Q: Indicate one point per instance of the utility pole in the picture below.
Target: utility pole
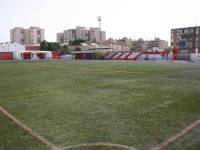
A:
(99, 20)
(112, 44)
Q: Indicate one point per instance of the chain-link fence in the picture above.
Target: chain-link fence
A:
(190, 58)
(195, 58)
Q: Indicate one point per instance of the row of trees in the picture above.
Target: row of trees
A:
(53, 46)
(62, 49)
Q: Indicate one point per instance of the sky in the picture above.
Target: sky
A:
(134, 19)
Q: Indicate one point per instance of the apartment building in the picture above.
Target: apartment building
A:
(82, 33)
(186, 40)
(103, 35)
(17, 35)
(60, 37)
(139, 44)
(123, 44)
(70, 35)
(125, 41)
(157, 43)
(91, 35)
(96, 36)
(32, 36)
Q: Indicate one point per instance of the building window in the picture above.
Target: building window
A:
(31, 41)
(197, 31)
(39, 40)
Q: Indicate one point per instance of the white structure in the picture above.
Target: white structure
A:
(11, 47)
(92, 35)
(29, 37)
(15, 48)
(34, 55)
(91, 47)
(19, 53)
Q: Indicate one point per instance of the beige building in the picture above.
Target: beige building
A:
(157, 43)
(139, 44)
(32, 36)
(96, 36)
(69, 35)
(60, 38)
(123, 44)
(81, 33)
(92, 35)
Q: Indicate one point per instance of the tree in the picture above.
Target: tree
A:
(49, 46)
(43, 45)
(135, 49)
(99, 55)
(76, 42)
(77, 49)
(168, 48)
(64, 50)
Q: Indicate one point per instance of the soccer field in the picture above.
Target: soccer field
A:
(137, 104)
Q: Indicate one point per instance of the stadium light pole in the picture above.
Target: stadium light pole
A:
(99, 20)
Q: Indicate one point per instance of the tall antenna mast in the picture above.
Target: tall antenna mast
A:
(99, 20)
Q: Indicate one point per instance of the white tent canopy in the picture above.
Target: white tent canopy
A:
(12, 47)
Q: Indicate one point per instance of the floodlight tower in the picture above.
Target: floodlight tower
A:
(99, 20)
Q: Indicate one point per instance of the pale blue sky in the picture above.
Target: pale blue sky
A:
(130, 18)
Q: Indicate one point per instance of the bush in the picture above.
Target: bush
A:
(99, 55)
(77, 49)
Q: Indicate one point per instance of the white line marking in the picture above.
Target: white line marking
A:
(29, 130)
(174, 138)
(99, 144)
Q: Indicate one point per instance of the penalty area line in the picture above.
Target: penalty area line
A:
(111, 145)
(34, 134)
(176, 137)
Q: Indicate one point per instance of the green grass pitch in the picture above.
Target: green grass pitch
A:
(138, 104)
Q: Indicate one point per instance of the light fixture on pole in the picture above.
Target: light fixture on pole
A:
(99, 20)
